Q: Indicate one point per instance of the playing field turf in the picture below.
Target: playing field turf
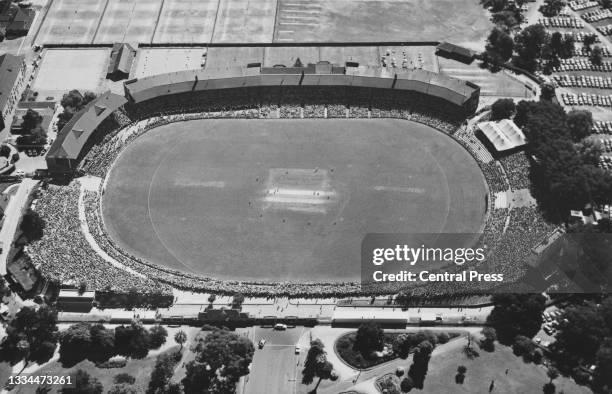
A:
(286, 199)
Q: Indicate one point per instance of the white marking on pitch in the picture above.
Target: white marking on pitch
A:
(190, 183)
(399, 189)
(299, 190)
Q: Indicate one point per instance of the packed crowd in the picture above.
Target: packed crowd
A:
(582, 64)
(495, 177)
(596, 100)
(597, 15)
(64, 254)
(579, 5)
(526, 228)
(571, 23)
(602, 127)
(517, 167)
(583, 81)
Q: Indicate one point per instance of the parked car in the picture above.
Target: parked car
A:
(280, 327)
(261, 343)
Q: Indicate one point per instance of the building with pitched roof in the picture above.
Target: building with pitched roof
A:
(12, 74)
(70, 144)
(122, 57)
(502, 136)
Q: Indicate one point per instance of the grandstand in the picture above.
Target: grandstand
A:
(503, 136)
(316, 90)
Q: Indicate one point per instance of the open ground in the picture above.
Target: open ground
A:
(286, 199)
(464, 22)
(66, 69)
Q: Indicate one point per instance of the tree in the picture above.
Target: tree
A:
(516, 314)
(82, 287)
(315, 356)
(549, 388)
(581, 332)
(157, 336)
(5, 151)
(75, 344)
(420, 365)
(316, 365)
(494, 5)
(31, 335)
(122, 388)
(402, 345)
(32, 225)
(603, 358)
(369, 339)
(180, 337)
(73, 102)
(173, 388)
(31, 120)
(580, 124)
(552, 7)
(132, 341)
(124, 378)
(162, 372)
(530, 44)
(553, 373)
(221, 358)
(596, 56)
(406, 385)
(460, 377)
(522, 346)
(237, 300)
(589, 39)
(561, 46)
(490, 336)
(102, 343)
(547, 91)
(84, 384)
(502, 109)
(499, 47)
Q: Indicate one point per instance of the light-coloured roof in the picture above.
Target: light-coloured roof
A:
(504, 135)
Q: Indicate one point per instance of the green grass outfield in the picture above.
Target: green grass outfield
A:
(286, 199)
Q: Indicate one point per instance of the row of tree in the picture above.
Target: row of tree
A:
(97, 343)
(566, 174)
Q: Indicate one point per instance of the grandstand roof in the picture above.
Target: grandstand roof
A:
(76, 132)
(322, 74)
(504, 135)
